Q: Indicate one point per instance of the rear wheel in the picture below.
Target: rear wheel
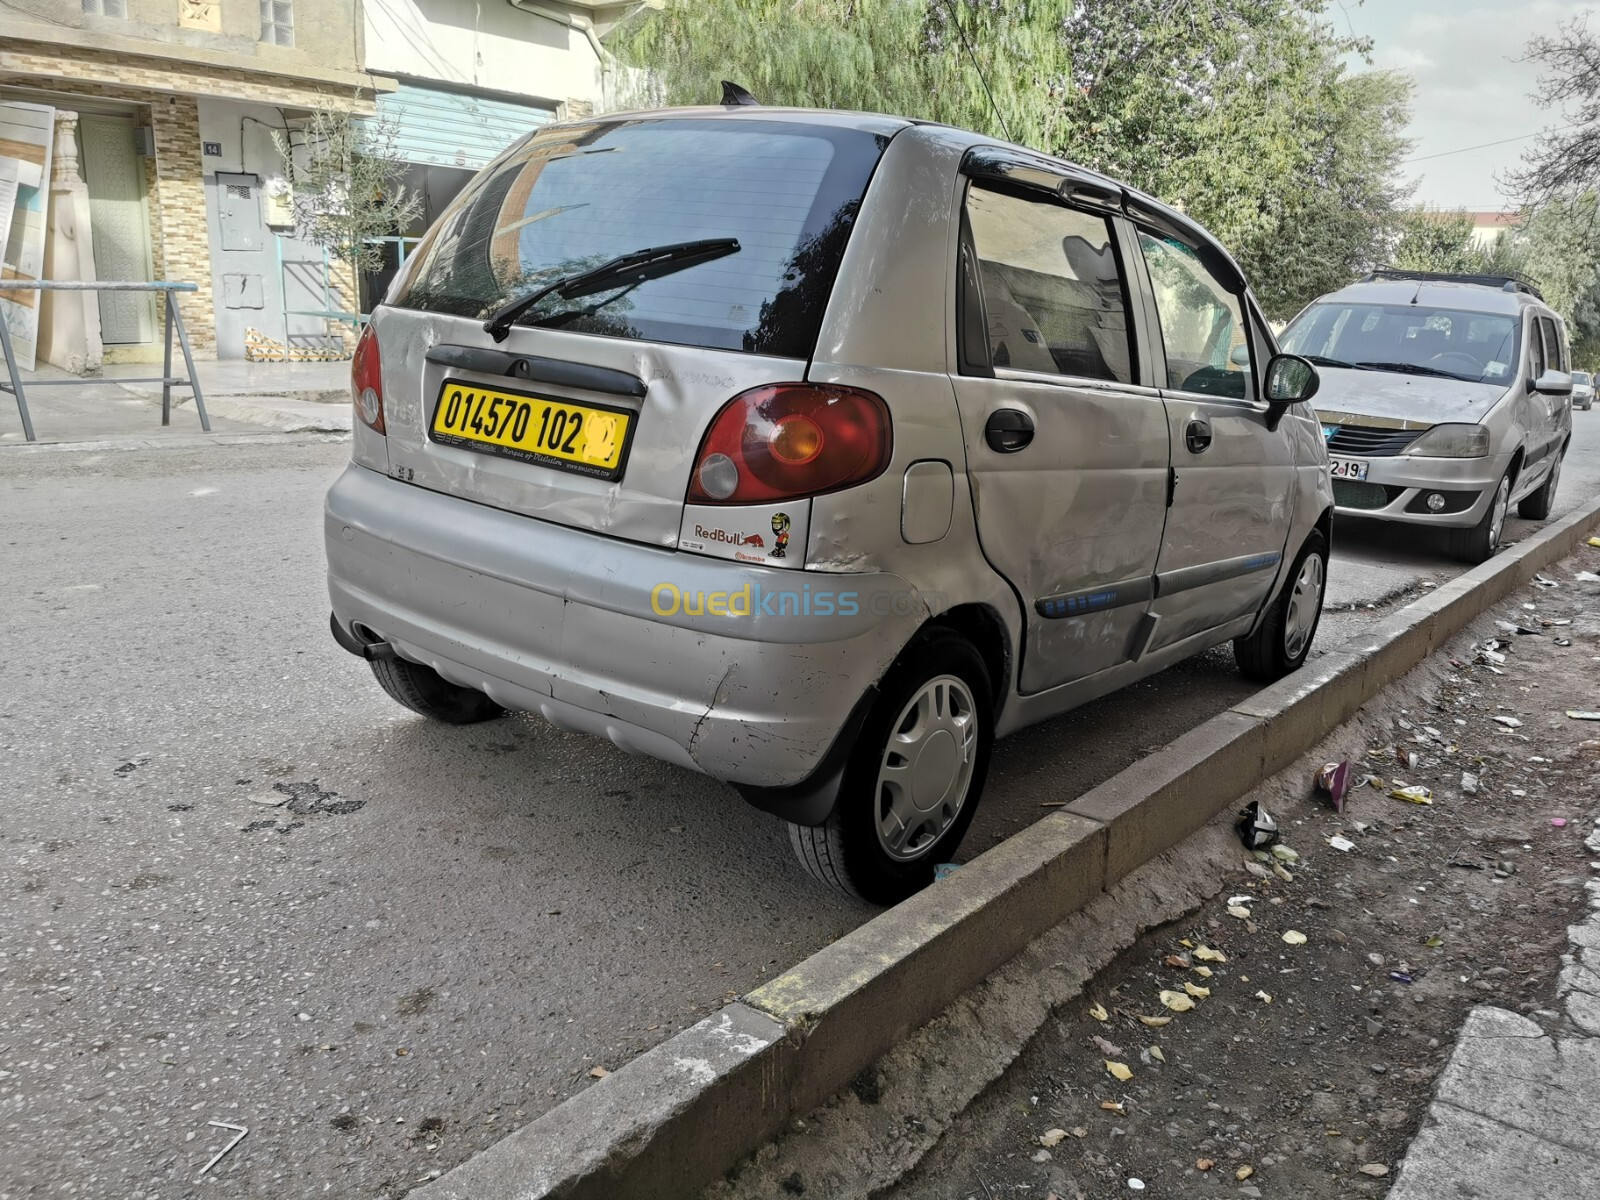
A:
(1283, 639)
(913, 780)
(1537, 506)
(423, 690)
(1479, 543)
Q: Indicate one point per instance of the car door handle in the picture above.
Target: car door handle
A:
(1197, 437)
(1008, 431)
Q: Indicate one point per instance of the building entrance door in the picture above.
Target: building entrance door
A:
(120, 226)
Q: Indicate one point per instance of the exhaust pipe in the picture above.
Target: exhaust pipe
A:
(359, 640)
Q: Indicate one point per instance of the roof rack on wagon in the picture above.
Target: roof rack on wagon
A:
(1504, 283)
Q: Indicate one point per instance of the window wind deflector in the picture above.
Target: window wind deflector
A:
(635, 268)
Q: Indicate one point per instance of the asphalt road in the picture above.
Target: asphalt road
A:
(238, 884)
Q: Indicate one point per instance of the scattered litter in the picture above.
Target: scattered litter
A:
(1343, 844)
(1109, 1048)
(1263, 997)
(1282, 874)
(1414, 794)
(1576, 715)
(1176, 1001)
(1508, 722)
(1559, 822)
(1469, 784)
(598, 1072)
(1334, 780)
(1258, 870)
(1099, 1013)
(1155, 1022)
(1204, 1164)
(1119, 1071)
(1553, 622)
(1434, 942)
(1207, 954)
(1052, 1137)
(1204, 972)
(1594, 541)
(1041, 1156)
(218, 1156)
(1563, 642)
(1512, 627)
(1136, 1185)
(1244, 1173)
(1195, 990)
(1376, 1170)
(1400, 977)
(1239, 911)
(1176, 961)
(1294, 937)
(941, 871)
(1244, 899)
(1541, 581)
(1257, 829)
(1285, 854)
(1114, 1106)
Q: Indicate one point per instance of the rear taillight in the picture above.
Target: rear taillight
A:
(366, 381)
(788, 440)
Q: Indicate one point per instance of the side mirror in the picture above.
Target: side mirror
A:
(1554, 383)
(1290, 380)
(1239, 356)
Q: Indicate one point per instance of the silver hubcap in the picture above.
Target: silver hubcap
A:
(1502, 501)
(1305, 602)
(927, 768)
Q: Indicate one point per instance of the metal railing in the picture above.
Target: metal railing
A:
(166, 379)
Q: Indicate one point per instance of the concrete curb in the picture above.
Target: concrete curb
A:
(677, 1117)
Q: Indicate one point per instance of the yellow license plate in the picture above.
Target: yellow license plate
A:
(574, 437)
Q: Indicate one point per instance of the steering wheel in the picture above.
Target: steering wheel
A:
(1473, 364)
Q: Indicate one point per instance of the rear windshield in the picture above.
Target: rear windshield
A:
(574, 196)
(1408, 338)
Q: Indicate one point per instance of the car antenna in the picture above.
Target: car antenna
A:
(983, 79)
(735, 96)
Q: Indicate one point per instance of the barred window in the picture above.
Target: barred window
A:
(277, 22)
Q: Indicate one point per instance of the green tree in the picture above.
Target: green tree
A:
(1239, 111)
(1561, 247)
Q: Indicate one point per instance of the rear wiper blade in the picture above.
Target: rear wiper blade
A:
(635, 267)
(1406, 368)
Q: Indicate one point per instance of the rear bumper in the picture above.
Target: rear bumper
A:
(593, 632)
(1397, 486)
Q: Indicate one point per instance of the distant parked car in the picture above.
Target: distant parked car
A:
(1444, 400)
(814, 451)
(1582, 390)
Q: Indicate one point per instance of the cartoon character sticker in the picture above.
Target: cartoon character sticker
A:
(780, 533)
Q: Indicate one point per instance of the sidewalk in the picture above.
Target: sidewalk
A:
(239, 397)
(1517, 1112)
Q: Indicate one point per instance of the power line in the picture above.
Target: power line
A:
(1485, 145)
(956, 21)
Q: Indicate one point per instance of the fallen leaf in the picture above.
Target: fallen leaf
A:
(1155, 1053)
(1156, 1022)
(1282, 874)
(598, 1072)
(1285, 854)
(1263, 997)
(1294, 937)
(1099, 1013)
(1186, 943)
(1239, 911)
(1177, 961)
(1377, 1170)
(1052, 1137)
(1204, 1164)
(1177, 1001)
(1207, 954)
(1194, 989)
(1119, 1071)
(1109, 1049)
(1113, 1106)
(1203, 972)
(1244, 1173)
(1434, 942)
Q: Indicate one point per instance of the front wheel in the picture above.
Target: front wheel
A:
(1282, 641)
(1478, 544)
(913, 780)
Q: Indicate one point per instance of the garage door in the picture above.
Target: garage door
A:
(449, 129)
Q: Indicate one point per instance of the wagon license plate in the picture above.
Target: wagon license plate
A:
(571, 437)
(1345, 468)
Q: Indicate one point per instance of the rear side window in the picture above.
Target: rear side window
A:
(574, 196)
(1555, 358)
(1202, 322)
(1052, 288)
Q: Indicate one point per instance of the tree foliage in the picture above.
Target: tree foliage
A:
(1239, 111)
(346, 181)
(1561, 254)
(1565, 161)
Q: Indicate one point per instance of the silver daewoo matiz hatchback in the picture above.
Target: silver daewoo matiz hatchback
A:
(814, 451)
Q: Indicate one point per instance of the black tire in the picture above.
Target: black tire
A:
(1479, 543)
(423, 690)
(847, 852)
(1536, 506)
(1271, 652)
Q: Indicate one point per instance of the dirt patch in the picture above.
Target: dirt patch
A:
(1435, 908)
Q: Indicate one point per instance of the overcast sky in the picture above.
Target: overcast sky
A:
(1470, 88)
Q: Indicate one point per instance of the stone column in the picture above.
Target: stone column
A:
(180, 203)
(69, 322)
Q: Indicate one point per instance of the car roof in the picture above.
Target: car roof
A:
(1464, 297)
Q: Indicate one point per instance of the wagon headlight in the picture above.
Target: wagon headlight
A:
(1452, 441)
